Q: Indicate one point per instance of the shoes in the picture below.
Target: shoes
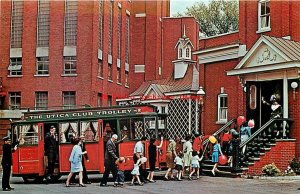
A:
(213, 172)
(152, 181)
(190, 178)
(121, 184)
(72, 183)
(131, 184)
(67, 184)
(103, 185)
(88, 182)
(179, 179)
(141, 184)
(7, 189)
(82, 185)
(166, 179)
(115, 184)
(11, 188)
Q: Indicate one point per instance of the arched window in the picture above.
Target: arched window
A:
(180, 52)
(187, 52)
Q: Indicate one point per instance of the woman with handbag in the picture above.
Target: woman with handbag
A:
(76, 162)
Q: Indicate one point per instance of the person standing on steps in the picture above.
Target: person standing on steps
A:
(51, 151)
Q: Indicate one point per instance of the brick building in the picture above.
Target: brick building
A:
(63, 54)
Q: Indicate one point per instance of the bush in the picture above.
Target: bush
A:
(271, 170)
(295, 165)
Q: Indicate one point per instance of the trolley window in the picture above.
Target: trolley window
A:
(68, 131)
(89, 129)
(28, 134)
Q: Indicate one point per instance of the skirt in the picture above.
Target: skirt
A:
(195, 166)
(215, 157)
(76, 167)
(170, 160)
(178, 167)
(135, 172)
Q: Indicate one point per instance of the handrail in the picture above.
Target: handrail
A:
(221, 129)
(263, 128)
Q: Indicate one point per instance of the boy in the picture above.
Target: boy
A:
(121, 163)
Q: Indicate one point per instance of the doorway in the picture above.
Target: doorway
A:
(255, 109)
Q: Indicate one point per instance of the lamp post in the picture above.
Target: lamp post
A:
(200, 93)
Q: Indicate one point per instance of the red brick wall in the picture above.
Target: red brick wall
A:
(215, 78)
(281, 154)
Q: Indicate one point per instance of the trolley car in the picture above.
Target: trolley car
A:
(96, 124)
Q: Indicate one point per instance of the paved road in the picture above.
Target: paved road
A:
(209, 185)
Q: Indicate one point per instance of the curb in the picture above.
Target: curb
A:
(277, 178)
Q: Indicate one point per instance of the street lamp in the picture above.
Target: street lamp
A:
(200, 93)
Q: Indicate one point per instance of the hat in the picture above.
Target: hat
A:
(52, 127)
(115, 136)
(6, 138)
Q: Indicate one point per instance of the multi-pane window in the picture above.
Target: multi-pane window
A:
(109, 72)
(41, 100)
(180, 52)
(69, 65)
(99, 100)
(42, 65)
(100, 68)
(109, 100)
(43, 23)
(118, 75)
(16, 24)
(222, 107)
(100, 38)
(187, 52)
(126, 78)
(110, 27)
(14, 100)
(264, 14)
(127, 39)
(71, 23)
(69, 99)
(15, 66)
(119, 32)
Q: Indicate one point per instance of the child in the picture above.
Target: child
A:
(225, 141)
(195, 164)
(121, 163)
(179, 165)
(136, 172)
(215, 156)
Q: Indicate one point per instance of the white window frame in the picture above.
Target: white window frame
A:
(222, 110)
(67, 98)
(187, 52)
(265, 16)
(13, 104)
(41, 100)
(72, 68)
(15, 66)
(44, 63)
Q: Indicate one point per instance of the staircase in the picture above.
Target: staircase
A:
(256, 148)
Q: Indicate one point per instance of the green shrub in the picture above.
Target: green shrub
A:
(295, 165)
(271, 170)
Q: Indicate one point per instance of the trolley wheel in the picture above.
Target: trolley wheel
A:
(32, 179)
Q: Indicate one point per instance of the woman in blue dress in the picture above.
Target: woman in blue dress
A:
(215, 156)
(75, 160)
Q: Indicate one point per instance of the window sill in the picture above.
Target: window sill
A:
(15, 76)
(111, 81)
(126, 86)
(69, 75)
(263, 30)
(42, 75)
(221, 122)
(119, 83)
(99, 77)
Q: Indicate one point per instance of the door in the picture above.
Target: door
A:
(100, 146)
(253, 103)
(41, 157)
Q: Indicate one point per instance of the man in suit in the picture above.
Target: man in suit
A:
(51, 151)
(110, 158)
(7, 162)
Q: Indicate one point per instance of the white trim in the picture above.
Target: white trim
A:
(155, 101)
(180, 93)
(219, 121)
(210, 37)
(261, 40)
(127, 12)
(119, 5)
(118, 63)
(100, 54)
(109, 59)
(15, 53)
(151, 88)
(264, 68)
(140, 15)
(190, 116)
(123, 99)
(42, 52)
(285, 96)
(69, 51)
(127, 67)
(216, 49)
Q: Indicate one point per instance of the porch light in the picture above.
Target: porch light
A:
(201, 91)
(294, 85)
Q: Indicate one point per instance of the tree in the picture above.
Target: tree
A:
(217, 17)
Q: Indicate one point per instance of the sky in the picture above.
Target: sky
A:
(180, 5)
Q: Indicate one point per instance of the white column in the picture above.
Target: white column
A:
(285, 101)
(197, 115)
